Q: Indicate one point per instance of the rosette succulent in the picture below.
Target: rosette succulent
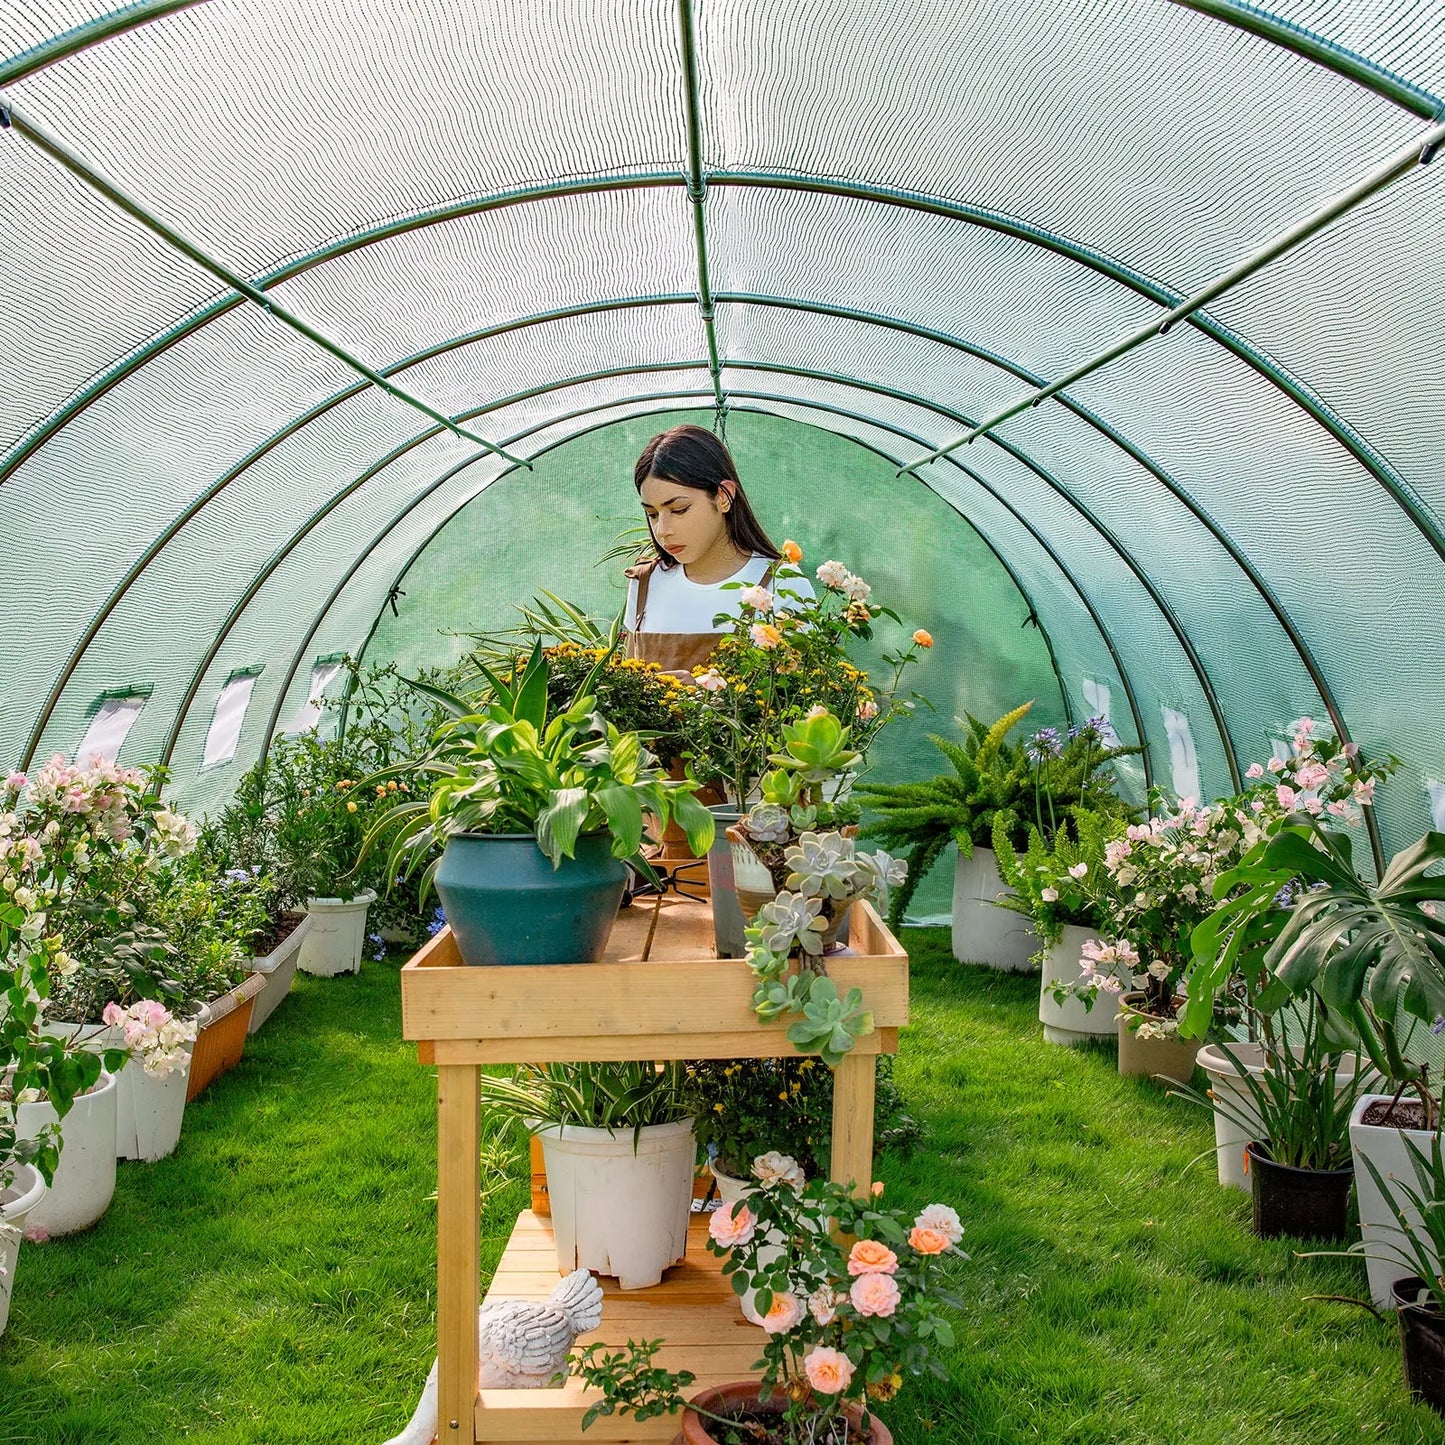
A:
(792, 918)
(822, 865)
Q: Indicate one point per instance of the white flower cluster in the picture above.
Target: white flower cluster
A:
(155, 1037)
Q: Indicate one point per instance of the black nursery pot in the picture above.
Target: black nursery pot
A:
(1299, 1203)
(1422, 1338)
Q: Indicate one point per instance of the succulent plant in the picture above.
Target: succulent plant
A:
(792, 918)
(822, 865)
(768, 823)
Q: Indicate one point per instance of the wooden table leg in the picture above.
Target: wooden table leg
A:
(458, 1250)
(853, 1088)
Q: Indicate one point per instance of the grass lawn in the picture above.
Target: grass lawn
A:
(272, 1282)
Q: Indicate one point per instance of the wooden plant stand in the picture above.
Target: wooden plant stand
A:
(659, 993)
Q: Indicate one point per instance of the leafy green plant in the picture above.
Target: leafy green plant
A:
(1374, 953)
(1047, 780)
(509, 765)
(1424, 1247)
(1055, 880)
(1303, 1097)
(592, 1095)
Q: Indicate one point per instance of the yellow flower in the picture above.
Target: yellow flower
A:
(717, 1108)
(351, 807)
(784, 1096)
(381, 790)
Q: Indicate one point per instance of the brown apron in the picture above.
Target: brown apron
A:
(675, 652)
(671, 651)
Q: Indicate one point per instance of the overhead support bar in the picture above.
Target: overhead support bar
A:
(82, 37)
(697, 194)
(1326, 53)
(77, 165)
(1419, 152)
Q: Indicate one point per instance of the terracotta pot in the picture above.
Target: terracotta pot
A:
(695, 1429)
(1171, 1058)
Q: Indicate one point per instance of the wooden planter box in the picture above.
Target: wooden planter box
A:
(222, 1039)
(658, 993)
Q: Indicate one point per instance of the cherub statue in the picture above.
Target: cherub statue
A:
(523, 1343)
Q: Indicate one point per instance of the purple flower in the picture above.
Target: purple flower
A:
(378, 946)
(438, 922)
(1045, 744)
(1438, 1027)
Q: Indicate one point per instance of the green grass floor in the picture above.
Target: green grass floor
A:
(272, 1281)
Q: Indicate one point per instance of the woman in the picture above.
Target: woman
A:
(704, 535)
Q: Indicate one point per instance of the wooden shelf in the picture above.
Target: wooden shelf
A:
(658, 993)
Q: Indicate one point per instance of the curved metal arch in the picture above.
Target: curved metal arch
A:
(1345, 436)
(83, 37)
(1166, 611)
(1310, 46)
(359, 561)
(740, 298)
(198, 504)
(1105, 636)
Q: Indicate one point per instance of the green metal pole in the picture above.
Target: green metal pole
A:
(57, 150)
(697, 193)
(1418, 152)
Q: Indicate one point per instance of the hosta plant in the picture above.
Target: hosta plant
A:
(508, 763)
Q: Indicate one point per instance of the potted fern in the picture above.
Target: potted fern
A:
(1053, 883)
(1043, 781)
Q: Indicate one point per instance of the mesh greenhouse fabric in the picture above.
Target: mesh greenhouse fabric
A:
(861, 229)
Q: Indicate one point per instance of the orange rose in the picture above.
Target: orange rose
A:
(922, 638)
(928, 1241)
(869, 1256)
(792, 553)
(829, 1371)
(877, 1189)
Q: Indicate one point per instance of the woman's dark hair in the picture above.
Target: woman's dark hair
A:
(692, 456)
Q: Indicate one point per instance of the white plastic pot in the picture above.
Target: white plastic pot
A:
(733, 1191)
(1070, 1022)
(278, 968)
(149, 1112)
(337, 935)
(84, 1180)
(616, 1211)
(1235, 1129)
(1384, 1147)
(982, 932)
(730, 1189)
(16, 1204)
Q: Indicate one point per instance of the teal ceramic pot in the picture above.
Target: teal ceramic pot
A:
(507, 904)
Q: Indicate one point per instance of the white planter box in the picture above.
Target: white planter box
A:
(334, 942)
(1384, 1146)
(616, 1211)
(1070, 1022)
(983, 933)
(84, 1181)
(278, 968)
(16, 1204)
(148, 1112)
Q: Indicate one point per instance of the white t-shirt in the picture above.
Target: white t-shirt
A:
(675, 603)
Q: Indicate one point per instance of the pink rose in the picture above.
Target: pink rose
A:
(784, 1314)
(871, 1256)
(829, 1371)
(758, 598)
(732, 1225)
(874, 1294)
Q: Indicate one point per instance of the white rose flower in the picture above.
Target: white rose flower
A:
(775, 1168)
